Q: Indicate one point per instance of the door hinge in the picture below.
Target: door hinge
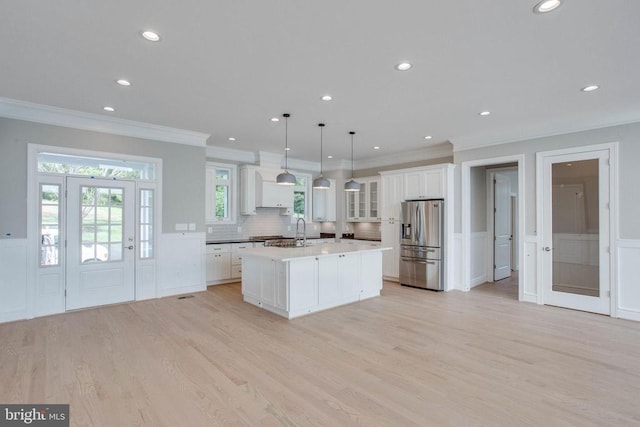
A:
(609, 294)
(494, 266)
(65, 243)
(65, 292)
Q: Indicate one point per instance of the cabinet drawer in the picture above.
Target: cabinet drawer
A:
(218, 248)
(236, 258)
(236, 246)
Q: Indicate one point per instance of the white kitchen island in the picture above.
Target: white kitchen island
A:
(296, 281)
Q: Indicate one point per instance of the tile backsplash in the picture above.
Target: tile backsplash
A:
(267, 222)
(366, 230)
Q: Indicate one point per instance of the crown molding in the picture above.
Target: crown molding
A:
(230, 154)
(261, 158)
(427, 153)
(22, 110)
(471, 143)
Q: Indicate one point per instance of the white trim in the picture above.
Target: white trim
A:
(38, 113)
(490, 175)
(466, 217)
(427, 153)
(234, 202)
(230, 154)
(463, 144)
(612, 148)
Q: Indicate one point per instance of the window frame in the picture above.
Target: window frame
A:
(210, 187)
(307, 197)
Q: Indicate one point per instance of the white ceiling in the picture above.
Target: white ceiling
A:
(226, 67)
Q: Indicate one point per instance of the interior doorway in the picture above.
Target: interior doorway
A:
(492, 226)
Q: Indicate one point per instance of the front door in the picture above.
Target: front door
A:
(501, 227)
(100, 242)
(576, 235)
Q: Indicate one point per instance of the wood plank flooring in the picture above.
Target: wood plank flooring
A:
(409, 358)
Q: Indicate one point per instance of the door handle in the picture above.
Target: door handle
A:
(547, 249)
(130, 247)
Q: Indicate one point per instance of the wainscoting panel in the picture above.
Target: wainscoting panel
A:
(629, 279)
(13, 279)
(479, 272)
(146, 286)
(181, 263)
(530, 285)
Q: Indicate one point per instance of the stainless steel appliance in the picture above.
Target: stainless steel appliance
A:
(422, 244)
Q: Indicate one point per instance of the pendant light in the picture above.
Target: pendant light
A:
(351, 185)
(321, 182)
(286, 178)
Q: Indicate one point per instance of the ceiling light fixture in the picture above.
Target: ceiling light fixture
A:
(329, 157)
(321, 182)
(231, 138)
(351, 185)
(484, 113)
(275, 119)
(326, 97)
(151, 36)
(428, 137)
(123, 82)
(547, 6)
(109, 109)
(590, 88)
(376, 148)
(286, 178)
(403, 66)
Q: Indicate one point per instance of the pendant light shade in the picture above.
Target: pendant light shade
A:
(286, 178)
(351, 185)
(321, 182)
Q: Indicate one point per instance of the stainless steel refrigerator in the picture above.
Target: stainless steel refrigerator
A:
(422, 244)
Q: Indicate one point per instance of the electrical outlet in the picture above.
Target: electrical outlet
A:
(288, 228)
(192, 227)
(209, 230)
(239, 229)
(181, 227)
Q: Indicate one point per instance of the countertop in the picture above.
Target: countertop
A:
(323, 249)
(217, 242)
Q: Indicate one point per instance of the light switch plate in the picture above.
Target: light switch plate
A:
(209, 230)
(239, 229)
(181, 227)
(192, 227)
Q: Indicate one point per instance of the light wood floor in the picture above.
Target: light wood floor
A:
(410, 357)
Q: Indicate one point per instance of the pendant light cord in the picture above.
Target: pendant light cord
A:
(352, 133)
(321, 127)
(286, 142)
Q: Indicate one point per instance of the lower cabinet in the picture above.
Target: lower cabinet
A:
(301, 286)
(224, 262)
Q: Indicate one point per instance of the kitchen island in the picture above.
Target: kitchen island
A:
(296, 281)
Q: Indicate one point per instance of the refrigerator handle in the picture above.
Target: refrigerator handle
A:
(417, 237)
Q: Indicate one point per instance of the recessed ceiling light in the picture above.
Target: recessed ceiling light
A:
(329, 157)
(590, 88)
(403, 66)
(231, 138)
(123, 82)
(376, 148)
(547, 6)
(287, 149)
(428, 137)
(326, 97)
(484, 113)
(151, 36)
(109, 109)
(569, 164)
(275, 119)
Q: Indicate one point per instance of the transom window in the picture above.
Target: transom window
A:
(89, 166)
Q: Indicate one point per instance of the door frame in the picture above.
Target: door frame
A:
(612, 148)
(33, 291)
(490, 220)
(466, 218)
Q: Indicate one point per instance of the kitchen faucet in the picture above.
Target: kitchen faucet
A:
(304, 231)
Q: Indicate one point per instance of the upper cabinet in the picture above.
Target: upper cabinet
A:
(324, 203)
(258, 189)
(363, 205)
(424, 184)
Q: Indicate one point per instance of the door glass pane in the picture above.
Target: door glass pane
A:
(146, 224)
(575, 227)
(362, 201)
(49, 224)
(101, 233)
(373, 199)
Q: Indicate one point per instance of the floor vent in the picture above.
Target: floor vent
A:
(185, 296)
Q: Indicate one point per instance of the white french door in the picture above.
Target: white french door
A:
(100, 261)
(576, 236)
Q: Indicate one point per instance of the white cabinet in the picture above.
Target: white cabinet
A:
(258, 189)
(424, 184)
(236, 258)
(392, 190)
(363, 205)
(324, 203)
(218, 264)
(300, 286)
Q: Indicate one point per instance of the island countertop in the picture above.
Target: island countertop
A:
(324, 249)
